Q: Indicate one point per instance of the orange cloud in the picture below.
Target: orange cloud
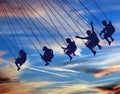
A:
(106, 72)
(10, 84)
(2, 53)
(111, 89)
(15, 8)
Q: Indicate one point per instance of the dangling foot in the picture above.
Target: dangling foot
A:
(74, 54)
(112, 39)
(99, 47)
(46, 64)
(94, 52)
(109, 42)
(70, 58)
(18, 69)
(20, 64)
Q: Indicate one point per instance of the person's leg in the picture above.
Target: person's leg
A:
(94, 52)
(106, 37)
(99, 46)
(21, 64)
(68, 53)
(46, 63)
(111, 38)
(16, 63)
(74, 53)
(91, 48)
(44, 58)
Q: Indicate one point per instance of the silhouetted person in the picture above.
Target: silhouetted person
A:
(92, 38)
(21, 59)
(108, 31)
(47, 56)
(70, 49)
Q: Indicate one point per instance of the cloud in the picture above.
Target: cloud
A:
(104, 70)
(60, 69)
(8, 86)
(100, 73)
(109, 89)
(66, 89)
(2, 53)
(11, 84)
(44, 71)
(18, 6)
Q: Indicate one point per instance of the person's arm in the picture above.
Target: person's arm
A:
(51, 50)
(40, 54)
(92, 27)
(110, 22)
(81, 37)
(63, 48)
(20, 56)
(103, 31)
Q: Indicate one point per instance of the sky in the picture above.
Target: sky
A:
(30, 25)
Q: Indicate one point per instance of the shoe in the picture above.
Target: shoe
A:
(100, 47)
(70, 58)
(74, 54)
(18, 69)
(20, 64)
(109, 42)
(46, 64)
(94, 52)
(112, 39)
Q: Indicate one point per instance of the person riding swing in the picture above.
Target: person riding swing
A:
(70, 49)
(92, 38)
(107, 31)
(21, 59)
(47, 56)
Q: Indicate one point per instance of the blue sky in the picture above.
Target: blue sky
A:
(83, 74)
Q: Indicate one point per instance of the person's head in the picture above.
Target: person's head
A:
(68, 40)
(104, 22)
(45, 48)
(21, 51)
(88, 32)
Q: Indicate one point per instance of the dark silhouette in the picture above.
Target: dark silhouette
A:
(47, 56)
(70, 49)
(92, 38)
(21, 59)
(107, 31)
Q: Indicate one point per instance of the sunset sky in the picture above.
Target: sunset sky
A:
(32, 24)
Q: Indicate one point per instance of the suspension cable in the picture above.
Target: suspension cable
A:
(29, 27)
(58, 21)
(9, 28)
(14, 30)
(97, 20)
(74, 21)
(100, 9)
(8, 47)
(27, 4)
(60, 16)
(77, 13)
(52, 21)
(12, 11)
(36, 27)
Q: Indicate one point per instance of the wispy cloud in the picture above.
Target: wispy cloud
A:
(2, 53)
(111, 89)
(11, 84)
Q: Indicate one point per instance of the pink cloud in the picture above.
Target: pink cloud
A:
(2, 53)
(110, 89)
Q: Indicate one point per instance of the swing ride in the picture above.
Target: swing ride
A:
(41, 39)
